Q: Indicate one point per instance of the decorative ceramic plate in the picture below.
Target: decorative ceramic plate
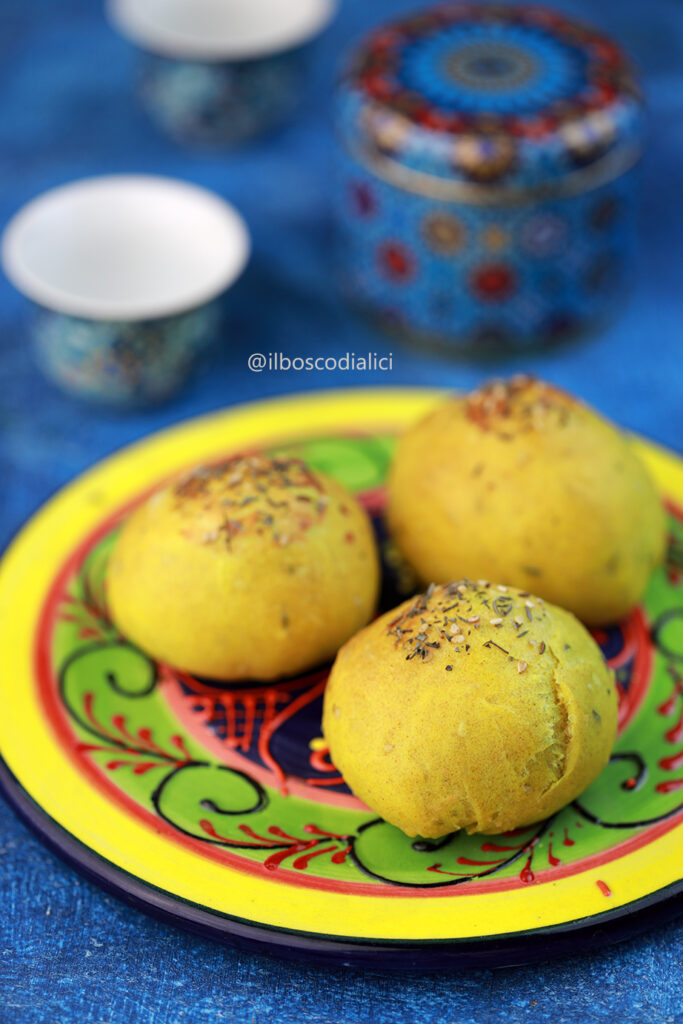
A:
(217, 806)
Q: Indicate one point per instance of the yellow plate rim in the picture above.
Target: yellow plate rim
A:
(30, 565)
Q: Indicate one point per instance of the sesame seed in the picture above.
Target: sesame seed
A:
(496, 622)
(522, 666)
(541, 647)
(503, 589)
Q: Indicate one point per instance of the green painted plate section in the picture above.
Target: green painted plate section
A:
(116, 703)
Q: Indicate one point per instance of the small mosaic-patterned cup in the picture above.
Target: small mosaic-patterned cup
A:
(220, 72)
(486, 194)
(125, 274)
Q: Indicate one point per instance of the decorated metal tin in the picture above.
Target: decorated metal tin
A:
(487, 183)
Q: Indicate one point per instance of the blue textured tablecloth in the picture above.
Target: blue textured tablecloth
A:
(67, 109)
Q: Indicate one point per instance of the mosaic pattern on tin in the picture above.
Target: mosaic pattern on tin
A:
(499, 82)
(463, 274)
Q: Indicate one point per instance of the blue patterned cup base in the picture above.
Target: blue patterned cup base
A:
(222, 103)
(122, 364)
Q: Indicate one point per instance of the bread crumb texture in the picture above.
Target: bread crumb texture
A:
(252, 568)
(473, 706)
(519, 481)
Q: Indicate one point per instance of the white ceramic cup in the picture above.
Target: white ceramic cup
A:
(125, 271)
(221, 71)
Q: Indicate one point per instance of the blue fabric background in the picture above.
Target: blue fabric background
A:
(67, 109)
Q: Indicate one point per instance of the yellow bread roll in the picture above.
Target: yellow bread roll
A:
(472, 706)
(520, 482)
(255, 568)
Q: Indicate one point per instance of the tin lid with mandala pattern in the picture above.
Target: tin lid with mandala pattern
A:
(492, 95)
